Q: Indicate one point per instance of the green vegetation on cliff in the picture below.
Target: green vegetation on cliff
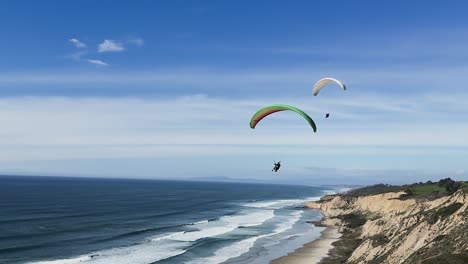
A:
(439, 228)
(429, 190)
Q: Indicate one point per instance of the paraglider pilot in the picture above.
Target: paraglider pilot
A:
(277, 166)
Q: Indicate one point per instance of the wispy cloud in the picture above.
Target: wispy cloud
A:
(97, 62)
(78, 55)
(422, 47)
(212, 129)
(139, 42)
(220, 121)
(77, 43)
(110, 46)
(255, 81)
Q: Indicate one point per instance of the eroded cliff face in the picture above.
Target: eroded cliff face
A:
(401, 231)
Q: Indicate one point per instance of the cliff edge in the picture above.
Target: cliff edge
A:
(398, 227)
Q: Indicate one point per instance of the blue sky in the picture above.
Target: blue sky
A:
(165, 89)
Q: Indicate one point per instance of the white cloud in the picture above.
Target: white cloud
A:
(199, 127)
(133, 121)
(97, 62)
(110, 46)
(77, 43)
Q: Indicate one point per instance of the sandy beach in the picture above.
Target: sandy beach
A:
(314, 251)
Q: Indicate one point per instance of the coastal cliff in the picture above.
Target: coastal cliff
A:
(397, 227)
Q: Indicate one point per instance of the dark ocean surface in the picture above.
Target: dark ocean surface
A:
(80, 220)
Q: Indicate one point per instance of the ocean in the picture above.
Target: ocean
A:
(55, 220)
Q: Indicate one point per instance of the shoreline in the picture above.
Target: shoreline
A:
(314, 251)
(320, 249)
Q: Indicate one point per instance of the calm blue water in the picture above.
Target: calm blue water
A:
(75, 220)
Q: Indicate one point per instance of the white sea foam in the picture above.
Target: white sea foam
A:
(252, 218)
(275, 204)
(173, 244)
(224, 225)
(74, 260)
(289, 222)
(261, 204)
(234, 250)
(200, 222)
(340, 190)
(167, 236)
(313, 198)
(241, 247)
(203, 233)
(137, 254)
